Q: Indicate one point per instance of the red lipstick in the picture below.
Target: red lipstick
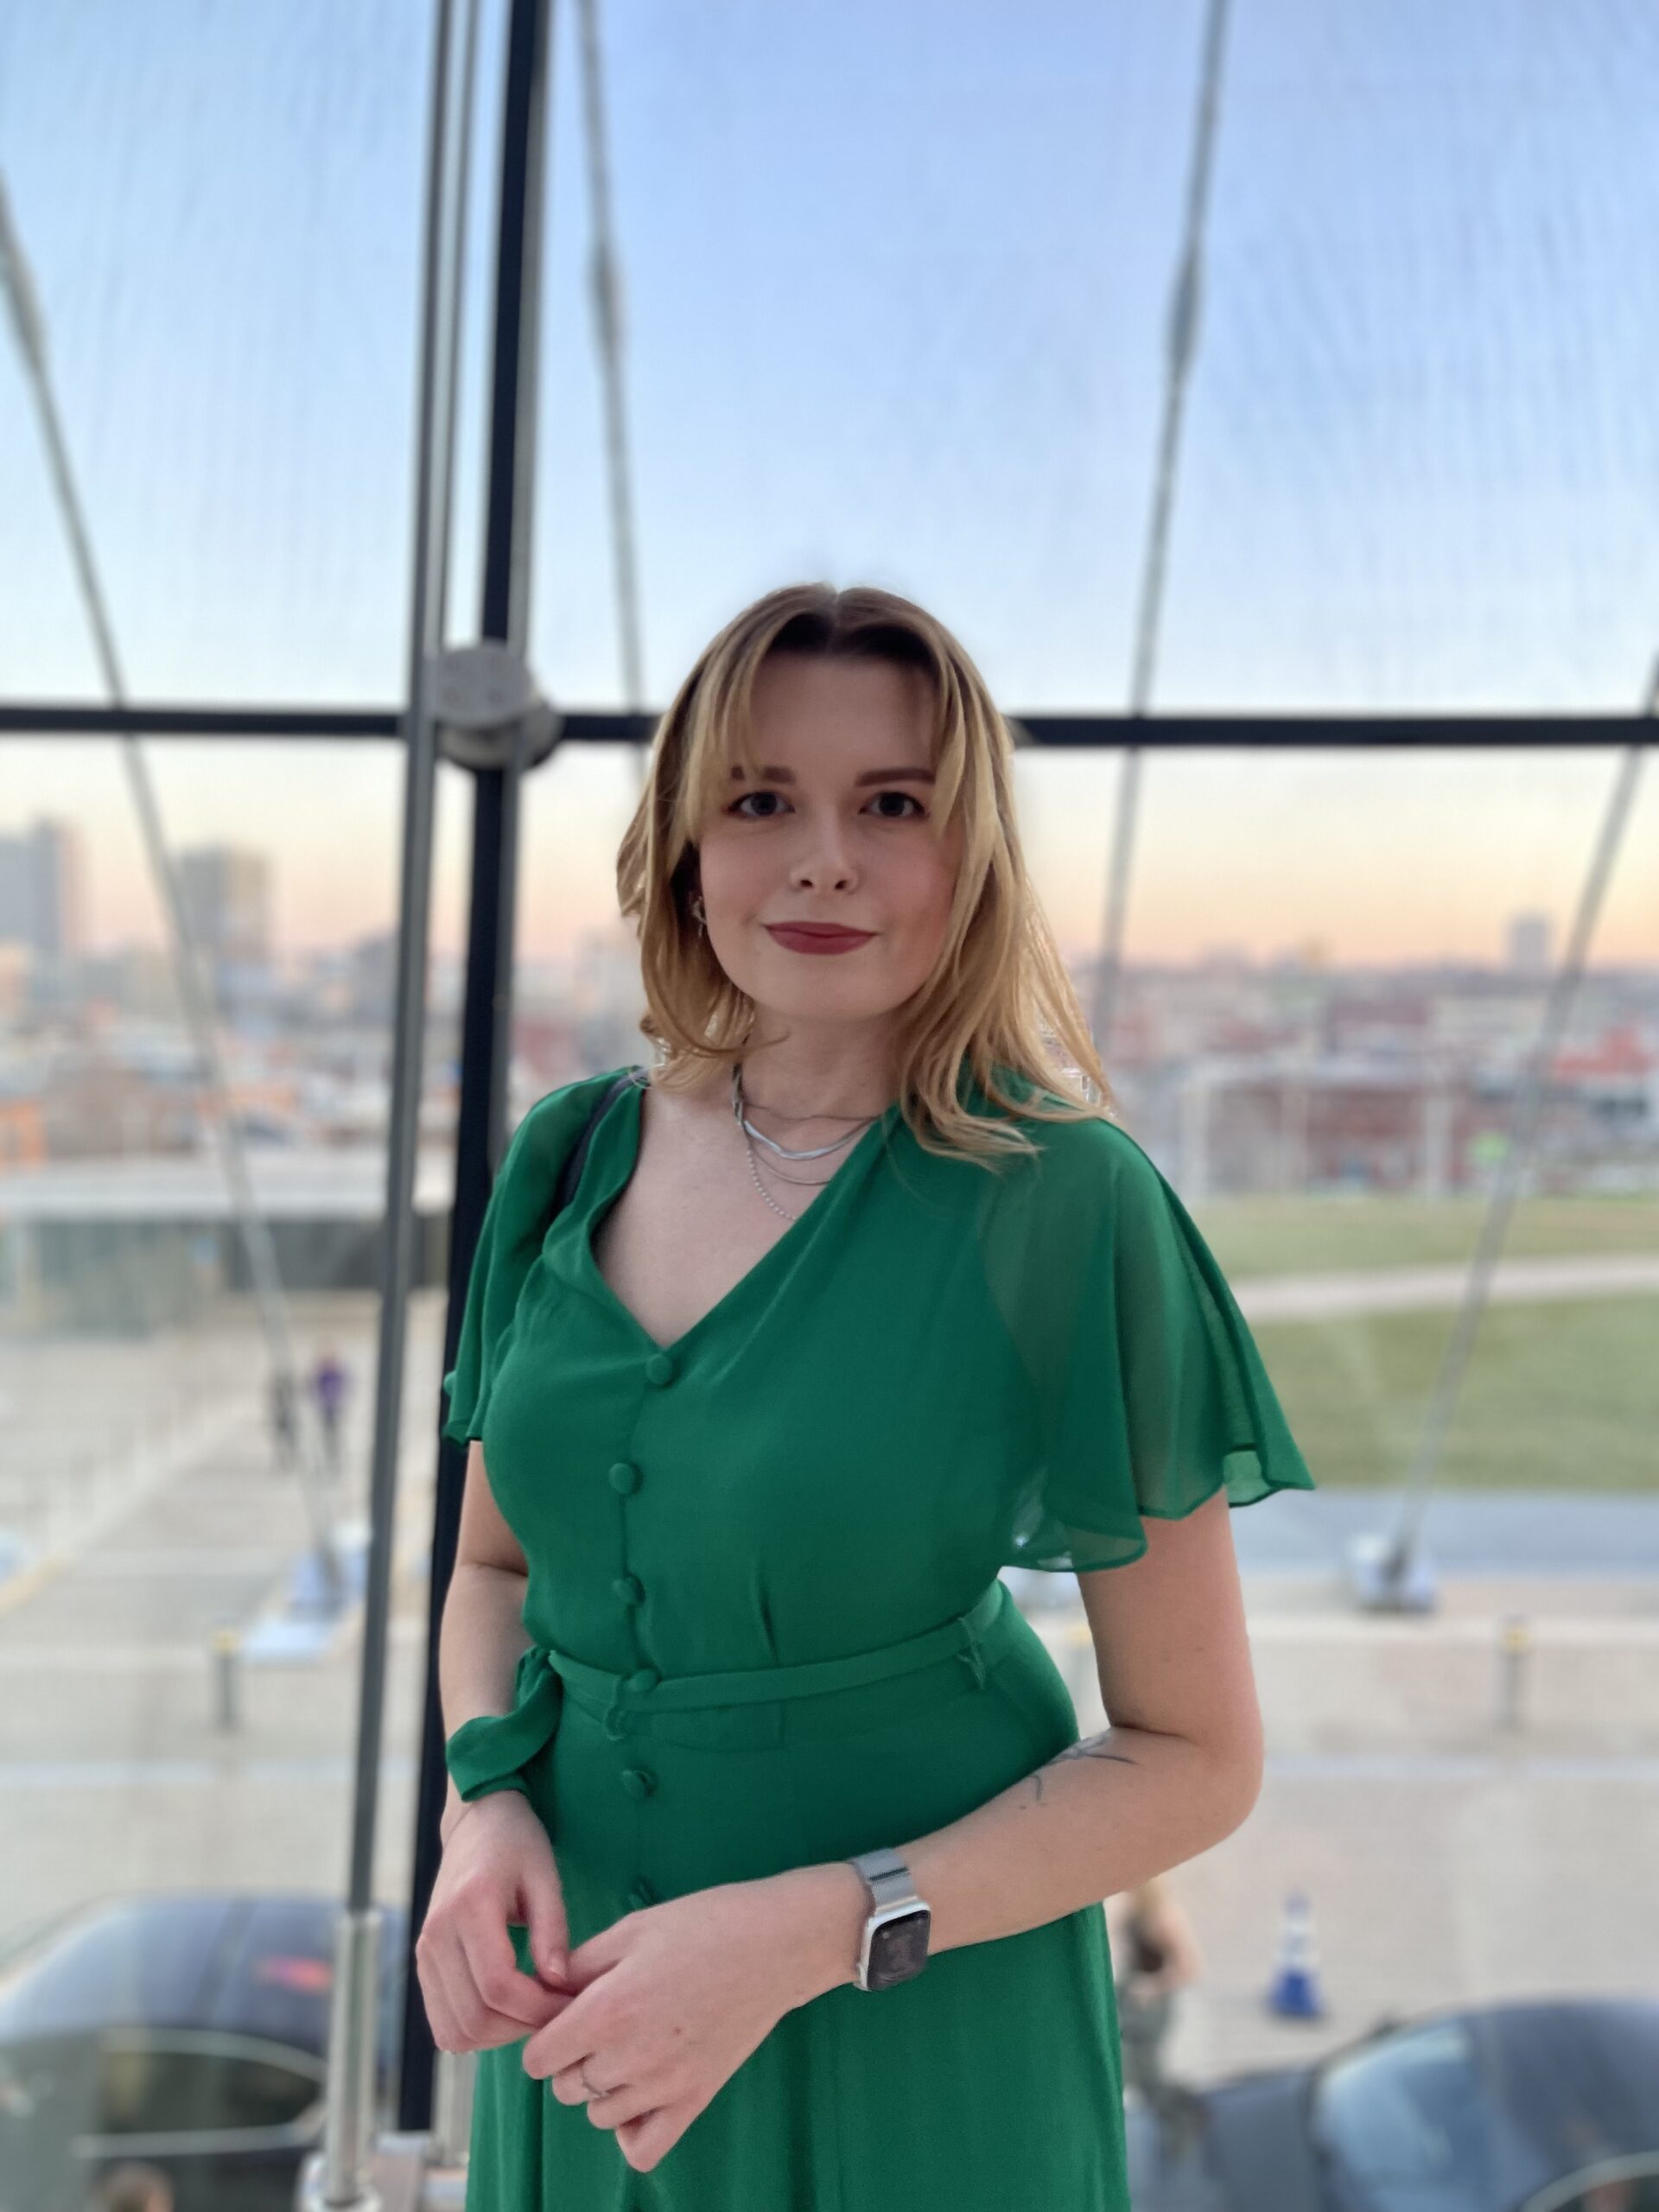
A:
(817, 936)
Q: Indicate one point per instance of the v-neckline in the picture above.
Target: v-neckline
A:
(627, 1113)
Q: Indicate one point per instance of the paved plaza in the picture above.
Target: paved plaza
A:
(1447, 1857)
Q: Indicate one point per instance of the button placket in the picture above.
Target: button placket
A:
(638, 1781)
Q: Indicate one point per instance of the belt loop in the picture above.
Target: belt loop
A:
(615, 1726)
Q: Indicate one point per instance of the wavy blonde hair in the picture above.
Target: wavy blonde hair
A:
(999, 1000)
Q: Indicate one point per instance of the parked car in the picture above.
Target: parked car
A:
(186, 2032)
(1538, 2106)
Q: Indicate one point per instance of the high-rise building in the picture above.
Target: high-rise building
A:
(1527, 944)
(226, 895)
(41, 887)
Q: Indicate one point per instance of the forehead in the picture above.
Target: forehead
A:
(810, 713)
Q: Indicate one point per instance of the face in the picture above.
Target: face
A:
(836, 830)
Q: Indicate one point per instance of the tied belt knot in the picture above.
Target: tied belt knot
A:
(491, 1751)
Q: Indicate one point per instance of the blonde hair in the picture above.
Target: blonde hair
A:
(999, 1000)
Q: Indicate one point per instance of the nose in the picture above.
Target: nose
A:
(823, 857)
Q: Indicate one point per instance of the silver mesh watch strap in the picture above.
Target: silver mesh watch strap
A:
(887, 1877)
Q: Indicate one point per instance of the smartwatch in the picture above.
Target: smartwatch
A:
(894, 1944)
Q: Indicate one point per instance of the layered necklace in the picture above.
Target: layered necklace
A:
(752, 1137)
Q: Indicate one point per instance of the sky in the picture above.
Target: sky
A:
(896, 286)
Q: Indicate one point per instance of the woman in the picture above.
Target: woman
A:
(857, 1300)
(1157, 1954)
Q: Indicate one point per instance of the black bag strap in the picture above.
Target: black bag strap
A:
(572, 1173)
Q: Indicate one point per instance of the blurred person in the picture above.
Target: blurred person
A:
(1156, 1953)
(329, 1384)
(773, 1862)
(132, 2187)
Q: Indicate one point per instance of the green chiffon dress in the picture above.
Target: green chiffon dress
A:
(769, 1627)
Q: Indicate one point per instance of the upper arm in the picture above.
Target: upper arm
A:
(484, 1538)
(1172, 1649)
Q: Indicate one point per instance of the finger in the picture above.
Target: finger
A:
(630, 2100)
(557, 2046)
(549, 1931)
(482, 2027)
(497, 1982)
(644, 2141)
(448, 2032)
(568, 2086)
(600, 1953)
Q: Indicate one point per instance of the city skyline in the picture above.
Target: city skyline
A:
(1419, 466)
(1379, 857)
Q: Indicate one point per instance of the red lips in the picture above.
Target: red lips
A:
(818, 929)
(817, 936)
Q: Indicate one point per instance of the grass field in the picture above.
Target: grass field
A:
(1557, 1394)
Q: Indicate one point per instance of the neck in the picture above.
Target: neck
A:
(840, 1073)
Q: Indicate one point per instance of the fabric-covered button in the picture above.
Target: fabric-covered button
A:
(659, 1368)
(638, 1781)
(640, 1896)
(629, 1589)
(643, 1678)
(624, 1477)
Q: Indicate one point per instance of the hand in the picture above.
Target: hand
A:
(498, 1866)
(667, 2003)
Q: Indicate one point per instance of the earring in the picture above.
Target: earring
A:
(698, 910)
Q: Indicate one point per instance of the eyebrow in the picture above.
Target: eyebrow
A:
(870, 776)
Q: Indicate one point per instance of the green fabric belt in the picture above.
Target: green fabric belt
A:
(489, 1752)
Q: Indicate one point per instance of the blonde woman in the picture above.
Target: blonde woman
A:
(773, 1865)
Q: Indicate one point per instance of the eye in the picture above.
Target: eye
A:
(738, 803)
(909, 798)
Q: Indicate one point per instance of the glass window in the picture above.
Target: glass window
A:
(199, 2085)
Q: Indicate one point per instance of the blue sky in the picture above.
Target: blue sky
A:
(896, 288)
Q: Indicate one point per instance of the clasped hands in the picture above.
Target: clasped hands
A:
(646, 2021)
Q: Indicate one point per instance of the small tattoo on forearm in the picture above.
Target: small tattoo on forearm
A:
(1091, 1747)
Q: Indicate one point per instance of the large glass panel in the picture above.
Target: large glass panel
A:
(178, 1692)
(220, 214)
(898, 286)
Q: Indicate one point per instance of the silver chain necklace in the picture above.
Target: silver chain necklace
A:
(813, 1152)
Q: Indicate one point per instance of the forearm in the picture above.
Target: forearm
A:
(481, 1639)
(1107, 1814)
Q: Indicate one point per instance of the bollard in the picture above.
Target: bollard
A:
(1296, 1991)
(227, 1646)
(1513, 1642)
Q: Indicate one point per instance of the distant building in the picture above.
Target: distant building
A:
(1527, 943)
(42, 889)
(227, 893)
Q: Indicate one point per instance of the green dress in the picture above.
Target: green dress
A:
(770, 1630)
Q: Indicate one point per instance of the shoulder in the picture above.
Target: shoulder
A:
(1077, 1154)
(543, 1137)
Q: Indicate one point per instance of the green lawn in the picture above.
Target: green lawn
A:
(1557, 1394)
(1295, 1235)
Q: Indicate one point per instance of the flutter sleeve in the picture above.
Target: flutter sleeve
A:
(1148, 1393)
(516, 1221)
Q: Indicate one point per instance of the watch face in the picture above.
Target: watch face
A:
(898, 1948)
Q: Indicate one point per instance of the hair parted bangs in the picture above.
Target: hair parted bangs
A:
(999, 1002)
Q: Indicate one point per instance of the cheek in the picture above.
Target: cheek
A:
(735, 872)
(928, 886)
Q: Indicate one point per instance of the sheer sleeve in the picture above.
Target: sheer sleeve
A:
(1149, 1392)
(515, 1223)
